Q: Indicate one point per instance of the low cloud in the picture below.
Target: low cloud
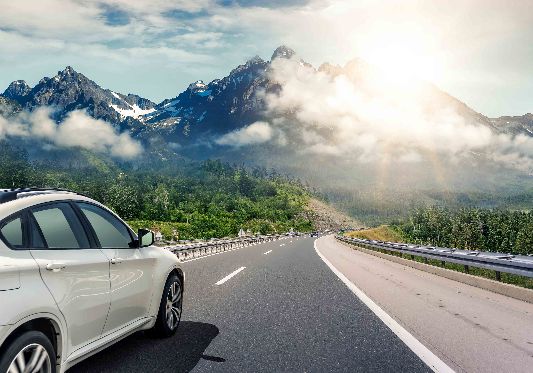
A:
(77, 130)
(256, 133)
(366, 116)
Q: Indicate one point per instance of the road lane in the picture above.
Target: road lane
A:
(426, 355)
(286, 312)
(470, 329)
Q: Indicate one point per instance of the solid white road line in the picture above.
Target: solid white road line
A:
(428, 357)
(268, 252)
(229, 276)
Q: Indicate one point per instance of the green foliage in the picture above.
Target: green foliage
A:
(475, 229)
(15, 167)
(198, 200)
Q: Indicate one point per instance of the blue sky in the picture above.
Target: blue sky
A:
(480, 51)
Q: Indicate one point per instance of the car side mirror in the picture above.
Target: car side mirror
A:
(146, 237)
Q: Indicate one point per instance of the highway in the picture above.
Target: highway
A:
(272, 307)
(470, 329)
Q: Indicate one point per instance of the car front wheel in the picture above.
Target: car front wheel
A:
(169, 315)
(30, 352)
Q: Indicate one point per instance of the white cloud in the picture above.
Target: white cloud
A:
(365, 116)
(255, 133)
(76, 130)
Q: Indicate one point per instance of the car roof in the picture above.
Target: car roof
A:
(11, 194)
(13, 200)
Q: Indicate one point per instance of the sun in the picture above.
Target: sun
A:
(402, 57)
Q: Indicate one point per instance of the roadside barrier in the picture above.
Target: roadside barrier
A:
(516, 264)
(198, 249)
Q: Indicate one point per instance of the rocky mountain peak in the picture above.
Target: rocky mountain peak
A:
(282, 52)
(198, 86)
(17, 90)
(69, 75)
(67, 71)
(254, 61)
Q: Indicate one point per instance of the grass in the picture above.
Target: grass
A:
(381, 233)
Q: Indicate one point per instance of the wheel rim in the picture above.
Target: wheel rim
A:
(174, 301)
(33, 358)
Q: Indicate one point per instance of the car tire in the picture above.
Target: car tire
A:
(31, 347)
(170, 308)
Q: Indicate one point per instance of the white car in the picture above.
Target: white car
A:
(74, 279)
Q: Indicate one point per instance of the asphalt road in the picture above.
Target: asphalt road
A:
(284, 312)
(471, 330)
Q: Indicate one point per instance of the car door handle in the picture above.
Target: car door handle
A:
(55, 267)
(116, 260)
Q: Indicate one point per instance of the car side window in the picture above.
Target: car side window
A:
(60, 227)
(110, 231)
(12, 232)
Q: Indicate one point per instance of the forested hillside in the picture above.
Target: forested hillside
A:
(195, 199)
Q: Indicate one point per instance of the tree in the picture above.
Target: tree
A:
(157, 204)
(524, 238)
(124, 200)
(16, 170)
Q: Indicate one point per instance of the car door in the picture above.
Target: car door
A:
(76, 274)
(131, 269)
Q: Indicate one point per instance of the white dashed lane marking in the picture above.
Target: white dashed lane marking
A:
(229, 276)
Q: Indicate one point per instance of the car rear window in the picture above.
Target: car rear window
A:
(12, 232)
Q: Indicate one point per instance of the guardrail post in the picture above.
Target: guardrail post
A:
(498, 276)
(443, 263)
(467, 269)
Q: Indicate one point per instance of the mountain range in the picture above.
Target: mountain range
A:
(203, 108)
(190, 125)
(199, 113)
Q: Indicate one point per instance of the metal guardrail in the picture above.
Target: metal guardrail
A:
(199, 249)
(516, 264)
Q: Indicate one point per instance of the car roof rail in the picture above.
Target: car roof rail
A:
(12, 194)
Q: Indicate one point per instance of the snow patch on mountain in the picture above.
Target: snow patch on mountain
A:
(134, 111)
(204, 93)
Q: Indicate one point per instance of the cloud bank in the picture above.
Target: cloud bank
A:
(367, 116)
(77, 130)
